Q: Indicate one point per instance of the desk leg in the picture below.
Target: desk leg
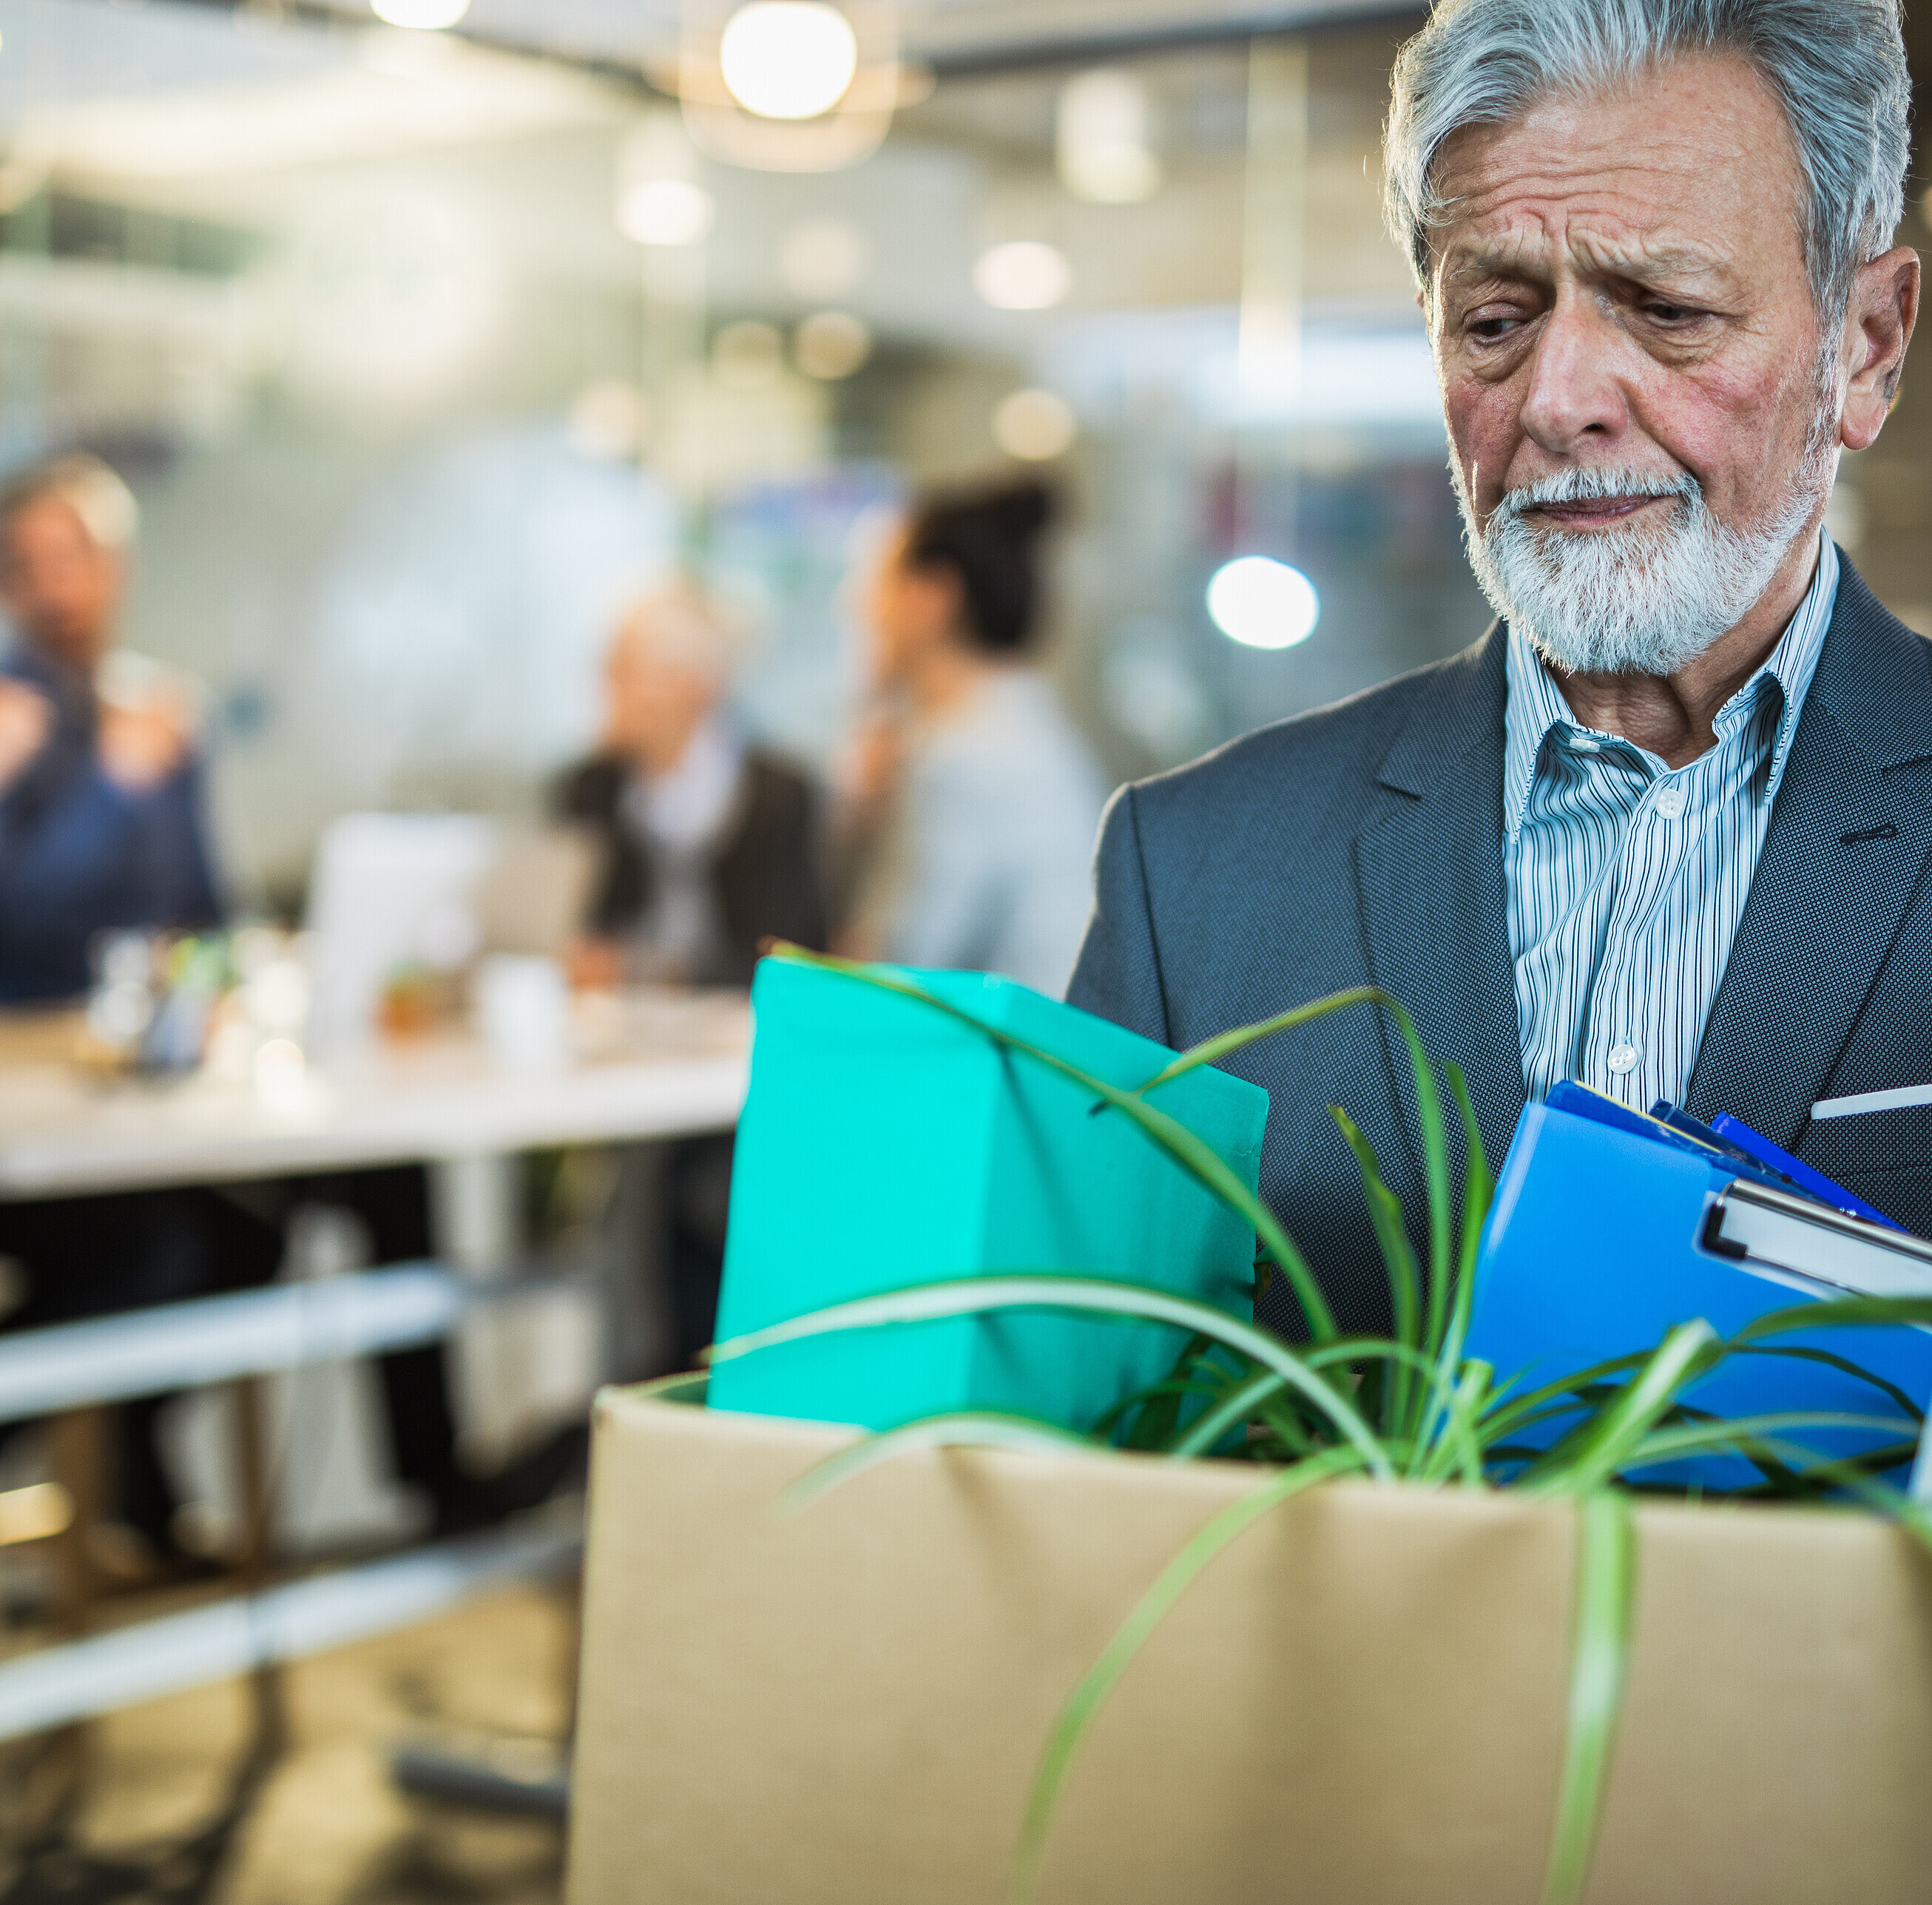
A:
(269, 1689)
(476, 1216)
(76, 1448)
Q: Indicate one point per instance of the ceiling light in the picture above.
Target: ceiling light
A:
(1262, 603)
(830, 345)
(1034, 425)
(424, 16)
(1024, 275)
(665, 212)
(787, 59)
(1104, 150)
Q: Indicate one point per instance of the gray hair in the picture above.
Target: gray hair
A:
(688, 627)
(1837, 67)
(105, 504)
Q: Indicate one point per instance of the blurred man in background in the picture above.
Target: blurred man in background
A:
(975, 802)
(101, 828)
(708, 847)
(101, 824)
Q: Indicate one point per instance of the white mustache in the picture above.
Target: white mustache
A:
(1592, 485)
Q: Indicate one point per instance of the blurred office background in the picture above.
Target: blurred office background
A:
(423, 350)
(429, 335)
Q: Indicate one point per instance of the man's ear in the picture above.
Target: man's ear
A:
(1879, 320)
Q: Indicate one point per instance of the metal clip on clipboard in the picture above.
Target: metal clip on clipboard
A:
(1793, 1237)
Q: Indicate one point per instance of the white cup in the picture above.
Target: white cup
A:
(523, 1007)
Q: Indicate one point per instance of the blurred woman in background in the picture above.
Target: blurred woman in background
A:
(976, 799)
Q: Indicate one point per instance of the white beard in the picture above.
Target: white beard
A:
(1641, 598)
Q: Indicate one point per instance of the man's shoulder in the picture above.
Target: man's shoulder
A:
(1875, 673)
(1335, 749)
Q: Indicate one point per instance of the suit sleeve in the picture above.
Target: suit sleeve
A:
(182, 866)
(587, 797)
(98, 858)
(75, 858)
(1118, 975)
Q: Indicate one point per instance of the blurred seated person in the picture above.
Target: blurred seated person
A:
(100, 828)
(101, 824)
(709, 846)
(973, 800)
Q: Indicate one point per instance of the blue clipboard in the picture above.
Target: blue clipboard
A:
(1604, 1235)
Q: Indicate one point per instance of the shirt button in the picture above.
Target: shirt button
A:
(1582, 744)
(1670, 802)
(1623, 1059)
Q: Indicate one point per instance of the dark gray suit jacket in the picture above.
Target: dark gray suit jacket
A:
(1363, 843)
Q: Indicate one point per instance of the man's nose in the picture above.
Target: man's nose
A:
(1574, 393)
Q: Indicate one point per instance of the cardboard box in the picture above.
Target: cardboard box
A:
(884, 1143)
(1361, 1701)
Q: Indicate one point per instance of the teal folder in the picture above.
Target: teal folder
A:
(884, 1144)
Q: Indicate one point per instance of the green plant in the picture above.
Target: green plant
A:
(1408, 1408)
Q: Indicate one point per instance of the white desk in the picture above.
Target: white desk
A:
(649, 1065)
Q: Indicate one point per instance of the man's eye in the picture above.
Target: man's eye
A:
(1491, 330)
(1671, 314)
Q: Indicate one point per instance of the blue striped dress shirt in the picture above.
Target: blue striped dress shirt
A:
(1627, 879)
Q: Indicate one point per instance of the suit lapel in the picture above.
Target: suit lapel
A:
(1429, 883)
(1846, 852)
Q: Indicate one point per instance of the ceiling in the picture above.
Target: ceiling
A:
(951, 36)
(334, 157)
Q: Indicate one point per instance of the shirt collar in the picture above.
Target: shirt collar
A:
(1535, 704)
(686, 804)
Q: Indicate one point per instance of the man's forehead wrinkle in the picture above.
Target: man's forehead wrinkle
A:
(1642, 253)
(1620, 190)
(1533, 241)
(1500, 174)
(1566, 156)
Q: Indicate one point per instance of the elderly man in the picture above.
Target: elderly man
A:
(1664, 829)
(708, 847)
(99, 801)
(100, 828)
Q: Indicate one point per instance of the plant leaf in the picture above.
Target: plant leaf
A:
(1160, 1411)
(1461, 1446)
(1478, 1188)
(1435, 1165)
(1211, 1051)
(1606, 1443)
(1241, 1402)
(1405, 1275)
(1605, 1607)
(1695, 1438)
(955, 1429)
(1058, 1290)
(1805, 1352)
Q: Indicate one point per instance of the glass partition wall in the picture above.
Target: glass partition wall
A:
(422, 356)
